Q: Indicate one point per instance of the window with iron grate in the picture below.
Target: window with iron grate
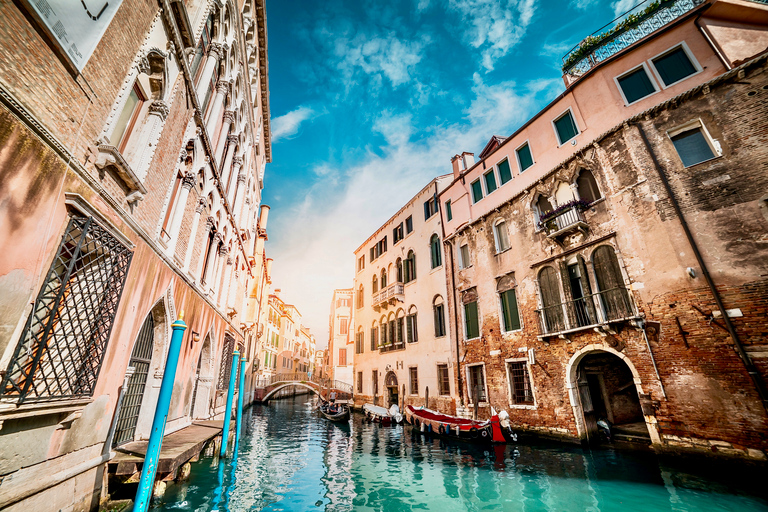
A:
(226, 361)
(62, 346)
(520, 383)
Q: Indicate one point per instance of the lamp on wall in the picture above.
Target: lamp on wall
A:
(195, 336)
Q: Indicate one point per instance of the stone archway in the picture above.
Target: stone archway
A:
(576, 375)
(390, 382)
(201, 397)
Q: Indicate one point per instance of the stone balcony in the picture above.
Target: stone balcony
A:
(390, 295)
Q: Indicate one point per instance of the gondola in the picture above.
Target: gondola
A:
(495, 430)
(334, 411)
(376, 414)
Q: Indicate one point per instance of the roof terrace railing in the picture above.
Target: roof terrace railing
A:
(629, 28)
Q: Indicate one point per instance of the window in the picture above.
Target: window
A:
(509, 310)
(490, 181)
(342, 357)
(410, 267)
(500, 236)
(587, 186)
(343, 327)
(443, 380)
(505, 173)
(375, 283)
(383, 280)
(374, 338)
(693, 146)
(373, 254)
(635, 85)
(359, 382)
(439, 313)
(412, 331)
(397, 233)
(464, 260)
(381, 247)
(477, 191)
(392, 331)
(519, 383)
(170, 213)
(476, 383)
(565, 127)
(359, 341)
(614, 297)
(127, 120)
(375, 381)
(524, 157)
(552, 311)
(471, 324)
(543, 206)
(675, 65)
(414, 378)
(360, 295)
(64, 340)
(202, 48)
(399, 329)
(361, 263)
(408, 224)
(383, 333)
(448, 212)
(430, 207)
(399, 268)
(434, 249)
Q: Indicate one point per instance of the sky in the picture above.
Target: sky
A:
(369, 101)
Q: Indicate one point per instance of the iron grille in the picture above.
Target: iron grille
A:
(226, 361)
(521, 383)
(64, 340)
(141, 357)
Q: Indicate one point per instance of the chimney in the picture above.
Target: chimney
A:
(469, 159)
(269, 269)
(263, 215)
(456, 162)
(276, 292)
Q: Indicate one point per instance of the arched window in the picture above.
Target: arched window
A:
(360, 297)
(375, 336)
(411, 328)
(434, 249)
(614, 297)
(375, 284)
(438, 310)
(542, 207)
(399, 265)
(552, 307)
(410, 267)
(587, 186)
(399, 325)
(500, 236)
(383, 278)
(383, 338)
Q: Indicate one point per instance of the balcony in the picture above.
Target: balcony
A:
(392, 294)
(629, 28)
(587, 312)
(391, 347)
(564, 220)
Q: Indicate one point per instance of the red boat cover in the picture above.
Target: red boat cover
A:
(443, 418)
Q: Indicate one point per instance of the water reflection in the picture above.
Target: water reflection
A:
(292, 460)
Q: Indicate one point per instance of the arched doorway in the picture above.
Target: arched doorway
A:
(606, 388)
(141, 357)
(390, 381)
(201, 397)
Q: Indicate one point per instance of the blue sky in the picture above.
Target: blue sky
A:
(369, 101)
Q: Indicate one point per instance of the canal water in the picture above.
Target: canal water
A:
(291, 459)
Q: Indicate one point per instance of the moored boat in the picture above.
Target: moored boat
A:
(495, 430)
(382, 415)
(334, 411)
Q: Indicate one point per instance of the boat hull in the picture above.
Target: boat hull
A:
(453, 427)
(341, 415)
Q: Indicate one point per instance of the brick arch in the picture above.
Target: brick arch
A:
(571, 383)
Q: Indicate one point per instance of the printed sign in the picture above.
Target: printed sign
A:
(76, 25)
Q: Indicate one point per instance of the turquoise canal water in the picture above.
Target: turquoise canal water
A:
(293, 460)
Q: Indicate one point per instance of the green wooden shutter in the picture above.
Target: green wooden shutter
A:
(509, 308)
(471, 320)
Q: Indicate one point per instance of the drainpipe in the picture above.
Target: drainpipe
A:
(715, 48)
(750, 367)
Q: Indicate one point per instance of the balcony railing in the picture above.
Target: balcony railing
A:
(624, 31)
(390, 347)
(570, 219)
(390, 294)
(591, 310)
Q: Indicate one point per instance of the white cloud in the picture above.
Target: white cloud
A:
(583, 4)
(383, 54)
(492, 26)
(313, 242)
(622, 6)
(286, 126)
(422, 5)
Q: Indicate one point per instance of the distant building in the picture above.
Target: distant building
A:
(402, 334)
(340, 353)
(609, 258)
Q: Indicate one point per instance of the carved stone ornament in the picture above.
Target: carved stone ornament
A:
(201, 204)
(183, 155)
(143, 65)
(210, 223)
(229, 116)
(241, 178)
(238, 160)
(233, 139)
(222, 87)
(188, 181)
(159, 108)
(215, 50)
(218, 238)
(230, 261)
(224, 250)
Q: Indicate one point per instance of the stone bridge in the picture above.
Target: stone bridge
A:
(266, 387)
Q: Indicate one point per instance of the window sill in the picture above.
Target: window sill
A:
(502, 252)
(523, 406)
(480, 404)
(435, 269)
(110, 156)
(516, 331)
(702, 162)
(9, 411)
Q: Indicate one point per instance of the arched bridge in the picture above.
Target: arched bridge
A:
(266, 387)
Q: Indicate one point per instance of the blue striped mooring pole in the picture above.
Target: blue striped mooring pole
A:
(240, 393)
(228, 411)
(149, 468)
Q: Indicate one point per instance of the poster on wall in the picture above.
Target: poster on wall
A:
(75, 25)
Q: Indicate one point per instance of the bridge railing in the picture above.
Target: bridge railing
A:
(263, 382)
